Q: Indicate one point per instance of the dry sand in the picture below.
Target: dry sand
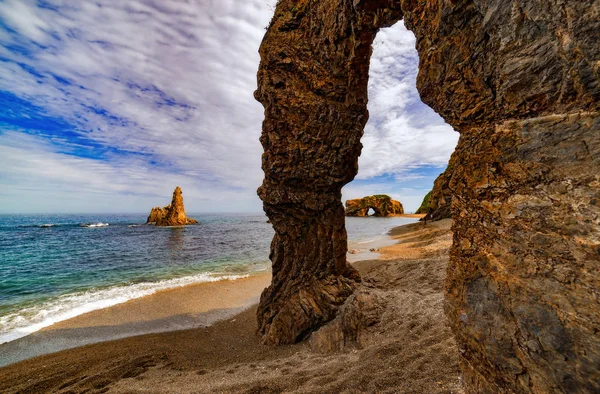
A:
(411, 350)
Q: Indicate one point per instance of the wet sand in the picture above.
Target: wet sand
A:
(191, 300)
(191, 306)
(411, 350)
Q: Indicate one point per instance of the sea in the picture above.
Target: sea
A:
(55, 267)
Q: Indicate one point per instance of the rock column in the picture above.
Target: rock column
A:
(313, 84)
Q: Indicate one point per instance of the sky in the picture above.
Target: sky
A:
(107, 105)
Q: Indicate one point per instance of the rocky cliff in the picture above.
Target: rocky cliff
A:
(520, 81)
(171, 215)
(440, 202)
(381, 204)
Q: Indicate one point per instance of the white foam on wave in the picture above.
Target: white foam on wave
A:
(24, 322)
(93, 225)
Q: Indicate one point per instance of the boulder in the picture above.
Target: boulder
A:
(382, 205)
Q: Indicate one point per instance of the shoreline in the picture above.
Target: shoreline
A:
(410, 349)
(161, 310)
(370, 249)
(179, 308)
(191, 299)
(70, 306)
(53, 314)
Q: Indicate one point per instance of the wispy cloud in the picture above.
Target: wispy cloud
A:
(121, 100)
(34, 176)
(402, 133)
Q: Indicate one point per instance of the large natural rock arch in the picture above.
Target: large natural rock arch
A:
(519, 81)
(377, 205)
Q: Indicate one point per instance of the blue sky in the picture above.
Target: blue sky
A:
(106, 106)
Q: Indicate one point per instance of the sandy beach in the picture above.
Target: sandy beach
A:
(191, 306)
(410, 350)
(370, 250)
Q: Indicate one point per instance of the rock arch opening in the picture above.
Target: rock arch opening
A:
(405, 145)
(519, 81)
(370, 211)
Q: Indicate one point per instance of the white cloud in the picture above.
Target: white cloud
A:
(174, 81)
(32, 175)
(402, 132)
(22, 18)
(133, 59)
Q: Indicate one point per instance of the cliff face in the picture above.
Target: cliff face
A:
(520, 81)
(381, 204)
(312, 82)
(171, 215)
(440, 202)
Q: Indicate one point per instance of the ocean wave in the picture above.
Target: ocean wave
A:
(46, 225)
(26, 321)
(370, 240)
(63, 225)
(93, 225)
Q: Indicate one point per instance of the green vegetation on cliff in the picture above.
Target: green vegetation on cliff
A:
(424, 208)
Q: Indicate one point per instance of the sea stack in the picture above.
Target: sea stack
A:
(382, 205)
(171, 215)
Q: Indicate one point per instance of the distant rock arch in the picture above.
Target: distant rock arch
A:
(520, 81)
(380, 204)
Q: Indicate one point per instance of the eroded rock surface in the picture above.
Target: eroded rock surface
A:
(381, 204)
(312, 82)
(520, 81)
(171, 215)
(362, 309)
(440, 202)
(157, 214)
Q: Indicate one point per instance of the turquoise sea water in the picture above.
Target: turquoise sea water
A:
(53, 267)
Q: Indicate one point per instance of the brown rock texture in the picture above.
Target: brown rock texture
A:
(362, 310)
(440, 202)
(157, 214)
(171, 215)
(519, 80)
(382, 205)
(312, 82)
